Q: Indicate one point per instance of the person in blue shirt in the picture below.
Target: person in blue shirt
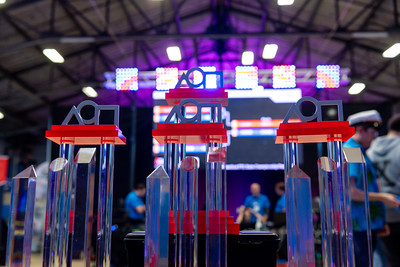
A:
(366, 124)
(258, 203)
(135, 206)
(280, 205)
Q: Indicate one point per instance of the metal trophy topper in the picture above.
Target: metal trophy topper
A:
(185, 76)
(76, 111)
(318, 111)
(177, 111)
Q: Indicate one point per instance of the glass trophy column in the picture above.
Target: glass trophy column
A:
(57, 171)
(83, 176)
(300, 237)
(216, 222)
(327, 174)
(157, 218)
(188, 210)
(342, 201)
(20, 225)
(353, 155)
(105, 198)
(173, 154)
(67, 148)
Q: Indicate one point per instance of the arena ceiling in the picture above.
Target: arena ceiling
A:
(97, 36)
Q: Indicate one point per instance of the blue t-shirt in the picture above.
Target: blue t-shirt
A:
(377, 209)
(258, 204)
(132, 201)
(281, 204)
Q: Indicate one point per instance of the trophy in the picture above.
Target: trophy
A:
(178, 130)
(20, 225)
(337, 245)
(67, 136)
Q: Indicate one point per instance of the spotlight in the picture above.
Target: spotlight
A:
(89, 91)
(285, 2)
(53, 55)
(247, 58)
(174, 53)
(1, 115)
(392, 51)
(356, 88)
(269, 51)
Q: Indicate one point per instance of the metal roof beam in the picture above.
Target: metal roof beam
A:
(107, 62)
(143, 14)
(24, 86)
(68, 4)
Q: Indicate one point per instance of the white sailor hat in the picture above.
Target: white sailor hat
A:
(372, 116)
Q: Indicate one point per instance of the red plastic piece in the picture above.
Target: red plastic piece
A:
(171, 223)
(174, 96)
(190, 133)
(232, 227)
(314, 132)
(86, 134)
(3, 169)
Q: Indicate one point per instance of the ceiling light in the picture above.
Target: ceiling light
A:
(2, 2)
(269, 51)
(174, 53)
(53, 55)
(392, 51)
(285, 2)
(1, 113)
(356, 88)
(89, 91)
(247, 58)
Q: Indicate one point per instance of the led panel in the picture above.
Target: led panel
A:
(126, 79)
(211, 81)
(284, 76)
(246, 77)
(328, 76)
(166, 78)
